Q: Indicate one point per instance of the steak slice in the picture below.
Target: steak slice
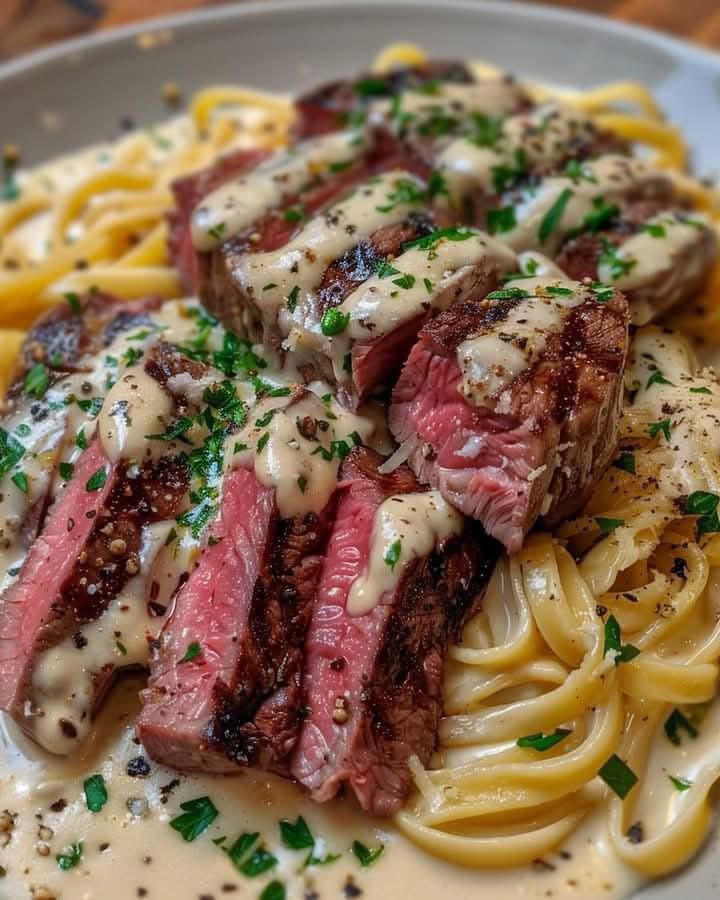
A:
(658, 257)
(331, 106)
(87, 552)
(511, 404)
(225, 681)
(373, 671)
(57, 364)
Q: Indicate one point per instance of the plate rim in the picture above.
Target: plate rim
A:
(116, 35)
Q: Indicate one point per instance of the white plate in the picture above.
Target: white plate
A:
(59, 99)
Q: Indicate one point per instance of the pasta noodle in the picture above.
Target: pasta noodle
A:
(536, 660)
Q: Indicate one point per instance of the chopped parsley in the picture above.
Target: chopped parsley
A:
(618, 776)
(508, 294)
(66, 470)
(429, 286)
(383, 269)
(542, 742)
(603, 292)
(430, 241)
(74, 302)
(700, 390)
(197, 816)
(70, 857)
(275, 890)
(19, 479)
(623, 652)
(626, 462)
(680, 784)
(436, 184)
(97, 480)
(175, 431)
(501, 220)
(371, 87)
(704, 504)
(302, 483)
(261, 860)
(11, 452)
(216, 232)
(654, 428)
(131, 356)
(602, 213)
(406, 191)
(193, 651)
(198, 517)
(364, 855)
(334, 322)
(91, 406)
(294, 214)
(405, 281)
(657, 377)
(611, 258)
(392, 554)
(121, 648)
(576, 172)
(486, 130)
(606, 525)
(676, 722)
(504, 176)
(95, 793)
(654, 229)
(37, 381)
(264, 438)
(553, 216)
(297, 835)
(265, 420)
(556, 291)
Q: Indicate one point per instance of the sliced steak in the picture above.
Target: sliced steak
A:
(331, 106)
(225, 682)
(56, 370)
(510, 404)
(78, 612)
(659, 258)
(376, 644)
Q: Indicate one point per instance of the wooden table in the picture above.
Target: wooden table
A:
(27, 24)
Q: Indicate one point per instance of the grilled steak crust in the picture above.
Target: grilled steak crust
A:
(62, 337)
(257, 716)
(384, 668)
(540, 444)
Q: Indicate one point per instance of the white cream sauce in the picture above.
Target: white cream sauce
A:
(406, 527)
(240, 202)
(144, 852)
(136, 406)
(655, 249)
(543, 135)
(490, 361)
(491, 97)
(275, 442)
(608, 178)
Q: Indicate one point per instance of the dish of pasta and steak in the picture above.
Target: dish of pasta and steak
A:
(359, 507)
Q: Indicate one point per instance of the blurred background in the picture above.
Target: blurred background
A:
(28, 24)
